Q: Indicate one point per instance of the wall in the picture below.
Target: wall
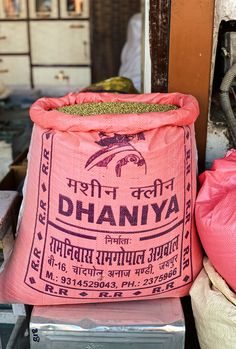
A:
(190, 52)
(217, 133)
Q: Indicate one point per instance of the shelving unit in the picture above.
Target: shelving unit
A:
(45, 43)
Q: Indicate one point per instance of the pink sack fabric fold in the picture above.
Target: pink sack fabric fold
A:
(216, 216)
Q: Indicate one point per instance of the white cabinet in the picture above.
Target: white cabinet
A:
(62, 76)
(66, 42)
(43, 9)
(48, 47)
(15, 70)
(13, 37)
(13, 9)
(74, 9)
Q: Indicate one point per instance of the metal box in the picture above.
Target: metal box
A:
(150, 324)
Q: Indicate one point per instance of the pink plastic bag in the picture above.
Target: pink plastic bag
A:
(108, 207)
(216, 216)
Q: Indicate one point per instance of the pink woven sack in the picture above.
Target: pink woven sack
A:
(216, 216)
(108, 208)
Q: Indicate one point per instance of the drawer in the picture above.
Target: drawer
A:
(13, 9)
(63, 76)
(43, 9)
(15, 70)
(74, 9)
(13, 37)
(60, 42)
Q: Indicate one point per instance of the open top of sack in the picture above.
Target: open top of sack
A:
(43, 112)
(100, 108)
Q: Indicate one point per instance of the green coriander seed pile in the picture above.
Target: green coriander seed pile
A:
(86, 109)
